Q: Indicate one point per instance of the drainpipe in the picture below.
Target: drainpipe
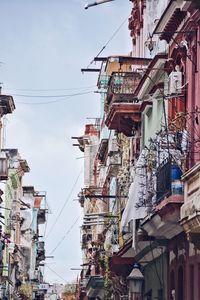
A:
(96, 3)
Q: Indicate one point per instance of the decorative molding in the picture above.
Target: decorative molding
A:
(136, 19)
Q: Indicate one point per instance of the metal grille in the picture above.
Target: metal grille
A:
(163, 182)
(125, 83)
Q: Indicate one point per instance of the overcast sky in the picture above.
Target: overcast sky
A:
(44, 44)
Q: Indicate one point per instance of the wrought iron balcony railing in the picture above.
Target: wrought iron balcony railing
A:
(122, 86)
(163, 180)
(124, 82)
(168, 180)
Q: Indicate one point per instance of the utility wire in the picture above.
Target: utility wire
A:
(48, 96)
(55, 273)
(49, 90)
(65, 203)
(110, 39)
(66, 234)
(54, 101)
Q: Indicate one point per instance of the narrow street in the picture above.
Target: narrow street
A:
(100, 150)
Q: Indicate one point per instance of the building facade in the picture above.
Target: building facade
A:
(141, 203)
(22, 211)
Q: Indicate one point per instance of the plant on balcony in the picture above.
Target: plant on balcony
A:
(107, 283)
(26, 290)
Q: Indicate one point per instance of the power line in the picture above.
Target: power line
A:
(49, 90)
(47, 96)
(110, 39)
(65, 203)
(55, 273)
(54, 101)
(68, 231)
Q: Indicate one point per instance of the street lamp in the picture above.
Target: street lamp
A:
(135, 280)
(96, 3)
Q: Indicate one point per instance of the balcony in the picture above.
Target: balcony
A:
(190, 210)
(169, 191)
(163, 222)
(168, 181)
(40, 246)
(123, 117)
(7, 105)
(40, 257)
(86, 238)
(41, 217)
(123, 85)
(103, 82)
(114, 162)
(95, 286)
(83, 283)
(163, 181)
(24, 165)
(122, 113)
(3, 166)
(102, 150)
(102, 176)
(40, 251)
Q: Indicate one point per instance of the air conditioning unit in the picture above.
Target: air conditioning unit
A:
(175, 82)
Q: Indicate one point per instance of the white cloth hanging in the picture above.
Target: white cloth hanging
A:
(132, 210)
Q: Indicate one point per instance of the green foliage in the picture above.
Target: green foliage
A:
(26, 290)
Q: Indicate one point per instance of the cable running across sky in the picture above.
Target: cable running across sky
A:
(110, 39)
(49, 96)
(65, 203)
(54, 101)
(46, 265)
(66, 234)
(51, 90)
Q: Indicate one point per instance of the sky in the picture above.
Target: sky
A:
(44, 44)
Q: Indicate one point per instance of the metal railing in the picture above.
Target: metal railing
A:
(163, 180)
(124, 83)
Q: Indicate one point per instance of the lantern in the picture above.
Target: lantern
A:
(135, 280)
